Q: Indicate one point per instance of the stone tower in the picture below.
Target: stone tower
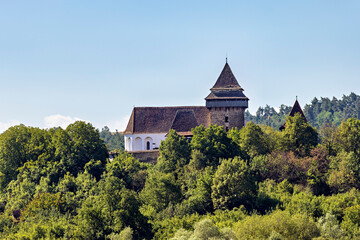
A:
(227, 102)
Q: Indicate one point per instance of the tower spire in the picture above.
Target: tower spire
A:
(226, 101)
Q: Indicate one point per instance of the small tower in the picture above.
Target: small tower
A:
(295, 109)
(227, 102)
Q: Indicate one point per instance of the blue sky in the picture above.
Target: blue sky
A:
(94, 60)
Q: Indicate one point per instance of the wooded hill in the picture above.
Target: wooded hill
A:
(252, 183)
(318, 113)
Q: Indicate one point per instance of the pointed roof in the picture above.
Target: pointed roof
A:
(226, 87)
(226, 80)
(184, 121)
(295, 109)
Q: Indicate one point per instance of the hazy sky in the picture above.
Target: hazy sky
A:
(94, 60)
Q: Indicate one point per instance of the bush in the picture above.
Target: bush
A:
(298, 226)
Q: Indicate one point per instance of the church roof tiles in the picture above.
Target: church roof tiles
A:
(226, 87)
(226, 79)
(162, 119)
(184, 121)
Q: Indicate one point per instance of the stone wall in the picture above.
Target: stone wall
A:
(150, 156)
(233, 115)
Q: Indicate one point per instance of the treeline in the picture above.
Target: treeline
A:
(252, 183)
(113, 140)
(319, 112)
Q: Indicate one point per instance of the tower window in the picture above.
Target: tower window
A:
(147, 145)
(226, 119)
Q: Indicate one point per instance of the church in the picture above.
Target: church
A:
(224, 106)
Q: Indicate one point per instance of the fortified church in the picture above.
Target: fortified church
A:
(225, 106)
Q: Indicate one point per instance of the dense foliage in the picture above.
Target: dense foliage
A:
(319, 112)
(252, 183)
(113, 140)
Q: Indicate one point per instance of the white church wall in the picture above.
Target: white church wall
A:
(139, 142)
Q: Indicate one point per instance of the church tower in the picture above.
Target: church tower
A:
(227, 102)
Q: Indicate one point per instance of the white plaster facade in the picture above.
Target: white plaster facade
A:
(141, 142)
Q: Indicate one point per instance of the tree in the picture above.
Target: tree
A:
(85, 146)
(351, 221)
(204, 230)
(298, 136)
(198, 192)
(93, 219)
(213, 143)
(174, 153)
(113, 140)
(160, 190)
(251, 139)
(317, 173)
(21, 144)
(349, 136)
(344, 172)
(330, 138)
(233, 185)
(125, 167)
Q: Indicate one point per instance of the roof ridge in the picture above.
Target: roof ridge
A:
(172, 107)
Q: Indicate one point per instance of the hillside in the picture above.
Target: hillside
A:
(318, 112)
(252, 183)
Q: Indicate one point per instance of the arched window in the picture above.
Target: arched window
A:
(148, 143)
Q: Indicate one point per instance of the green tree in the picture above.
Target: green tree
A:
(198, 194)
(174, 153)
(124, 166)
(85, 146)
(318, 171)
(214, 144)
(330, 138)
(161, 189)
(298, 136)
(233, 185)
(113, 140)
(351, 222)
(93, 219)
(344, 172)
(204, 230)
(251, 139)
(349, 136)
(297, 226)
(21, 144)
